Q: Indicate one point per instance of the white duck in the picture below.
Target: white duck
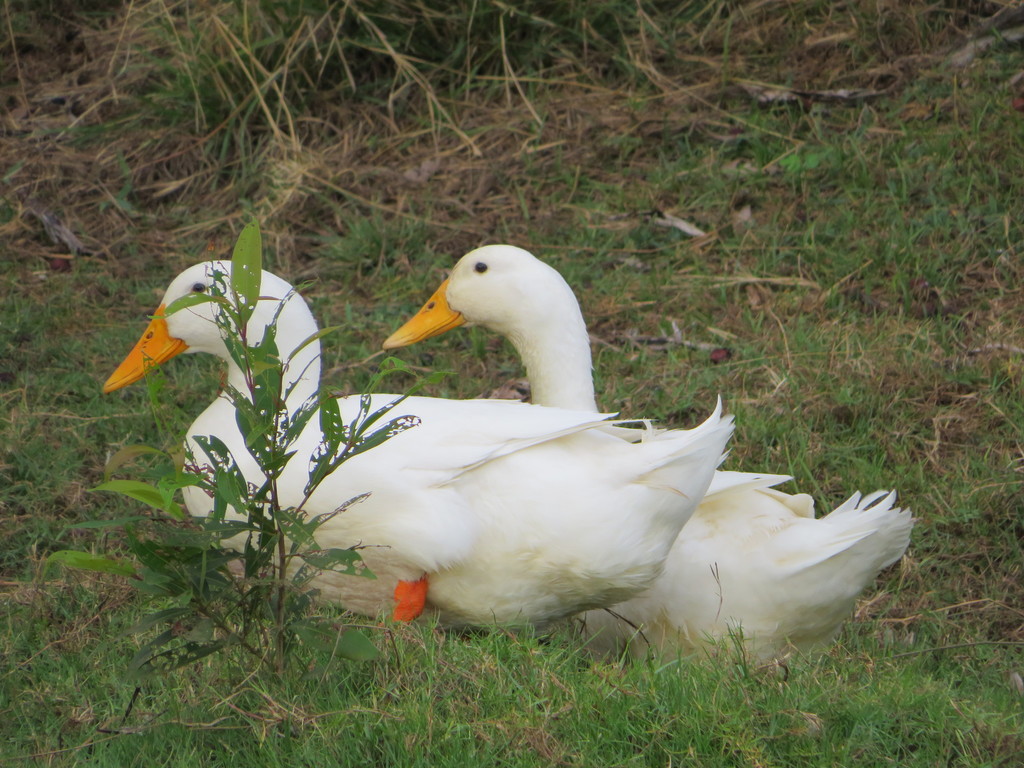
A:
(516, 513)
(751, 559)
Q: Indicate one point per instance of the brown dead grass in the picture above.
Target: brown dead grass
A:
(320, 171)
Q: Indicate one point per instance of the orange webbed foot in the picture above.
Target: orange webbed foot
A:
(410, 597)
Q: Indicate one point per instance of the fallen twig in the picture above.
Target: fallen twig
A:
(771, 94)
(1005, 26)
(668, 220)
(996, 347)
(664, 342)
(754, 279)
(59, 233)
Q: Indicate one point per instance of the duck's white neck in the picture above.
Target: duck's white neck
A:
(555, 348)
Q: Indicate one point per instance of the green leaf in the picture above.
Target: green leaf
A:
(166, 616)
(394, 427)
(355, 646)
(298, 419)
(202, 632)
(343, 561)
(314, 337)
(126, 454)
(349, 644)
(148, 552)
(147, 494)
(315, 634)
(139, 664)
(247, 270)
(225, 529)
(86, 562)
(791, 162)
(134, 489)
(191, 299)
(148, 661)
(108, 523)
(298, 530)
(216, 450)
(263, 366)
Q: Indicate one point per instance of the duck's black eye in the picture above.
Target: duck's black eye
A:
(480, 267)
(199, 288)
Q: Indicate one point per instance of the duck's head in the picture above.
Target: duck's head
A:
(501, 287)
(194, 328)
(509, 291)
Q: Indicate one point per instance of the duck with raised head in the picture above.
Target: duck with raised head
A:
(752, 560)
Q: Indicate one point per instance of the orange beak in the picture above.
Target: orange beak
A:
(433, 319)
(156, 346)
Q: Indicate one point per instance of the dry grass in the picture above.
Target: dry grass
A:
(466, 172)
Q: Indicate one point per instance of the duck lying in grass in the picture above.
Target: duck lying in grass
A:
(493, 512)
(751, 560)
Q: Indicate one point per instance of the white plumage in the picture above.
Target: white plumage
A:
(517, 514)
(751, 559)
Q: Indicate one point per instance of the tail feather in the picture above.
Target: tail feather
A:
(867, 529)
(728, 481)
(683, 461)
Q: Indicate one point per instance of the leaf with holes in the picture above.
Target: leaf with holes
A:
(247, 270)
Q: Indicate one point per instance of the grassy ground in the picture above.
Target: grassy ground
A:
(862, 267)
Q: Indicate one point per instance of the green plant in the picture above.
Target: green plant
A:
(260, 605)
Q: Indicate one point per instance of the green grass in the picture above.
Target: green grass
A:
(491, 699)
(876, 342)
